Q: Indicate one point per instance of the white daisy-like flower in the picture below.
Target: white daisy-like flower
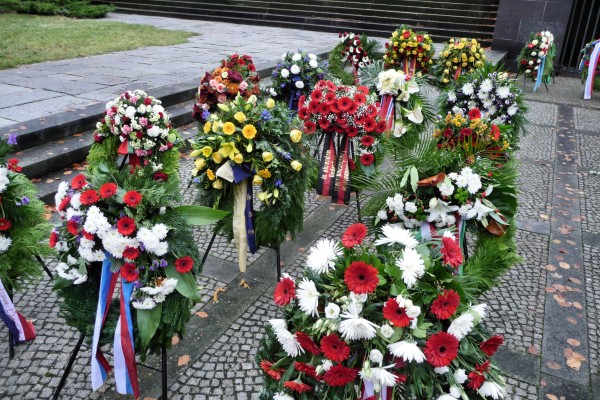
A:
(386, 331)
(512, 110)
(479, 309)
(308, 297)
(407, 350)
(61, 192)
(461, 326)
(5, 243)
(503, 91)
(412, 266)
(446, 188)
(468, 89)
(395, 233)
(379, 377)
(354, 327)
(439, 209)
(451, 96)
(332, 311)
(460, 375)
(486, 86)
(322, 256)
(491, 389)
(473, 183)
(285, 338)
(282, 396)
(382, 215)
(441, 370)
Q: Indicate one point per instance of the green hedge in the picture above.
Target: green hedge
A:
(67, 8)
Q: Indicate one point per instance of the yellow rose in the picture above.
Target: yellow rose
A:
(228, 128)
(257, 180)
(461, 45)
(478, 63)
(295, 135)
(455, 60)
(218, 158)
(240, 117)
(446, 71)
(200, 163)
(210, 174)
(218, 184)
(270, 103)
(267, 156)
(238, 158)
(395, 34)
(445, 80)
(207, 126)
(471, 59)
(448, 63)
(264, 173)
(297, 166)
(206, 151)
(249, 132)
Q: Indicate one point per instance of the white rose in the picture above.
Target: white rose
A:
(130, 112)
(224, 74)
(299, 84)
(313, 63)
(375, 356)
(312, 56)
(154, 131)
(272, 92)
(332, 311)
(387, 331)
(533, 54)
(295, 69)
(297, 57)
(285, 73)
(530, 62)
(534, 42)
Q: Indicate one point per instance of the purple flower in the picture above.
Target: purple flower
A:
(278, 183)
(205, 115)
(25, 200)
(266, 116)
(163, 263)
(12, 139)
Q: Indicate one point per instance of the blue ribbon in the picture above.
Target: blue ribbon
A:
(10, 324)
(540, 74)
(241, 172)
(292, 105)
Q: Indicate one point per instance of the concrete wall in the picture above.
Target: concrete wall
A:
(518, 18)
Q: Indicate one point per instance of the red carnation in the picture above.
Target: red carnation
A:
(306, 368)
(334, 348)
(108, 189)
(367, 140)
(495, 132)
(73, 227)
(441, 349)
(89, 197)
(370, 124)
(297, 386)
(285, 291)
(354, 235)
(445, 305)
(126, 226)
(367, 159)
(129, 272)
(451, 253)
(160, 176)
(307, 343)
(4, 224)
(132, 198)
(53, 239)
(184, 265)
(474, 113)
(361, 277)
(490, 346)
(267, 367)
(396, 314)
(131, 253)
(338, 375)
(78, 182)
(309, 127)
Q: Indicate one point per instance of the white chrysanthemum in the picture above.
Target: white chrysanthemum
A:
(76, 201)
(451, 96)
(491, 389)
(395, 203)
(322, 256)
(408, 351)
(460, 375)
(512, 110)
(479, 309)
(308, 297)
(160, 231)
(95, 221)
(445, 396)
(61, 192)
(441, 370)
(376, 356)
(282, 396)
(503, 91)
(467, 89)
(285, 338)
(147, 304)
(446, 188)
(70, 273)
(332, 311)
(461, 326)
(412, 266)
(410, 207)
(5, 243)
(295, 69)
(353, 327)
(4, 181)
(486, 85)
(379, 377)
(473, 183)
(395, 233)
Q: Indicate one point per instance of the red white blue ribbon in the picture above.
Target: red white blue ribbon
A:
(428, 231)
(368, 391)
(21, 329)
(589, 83)
(386, 112)
(540, 74)
(125, 367)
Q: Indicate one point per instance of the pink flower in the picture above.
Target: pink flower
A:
(126, 129)
(243, 85)
(222, 98)
(143, 121)
(110, 112)
(213, 83)
(220, 88)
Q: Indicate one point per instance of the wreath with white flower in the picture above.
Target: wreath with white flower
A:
(537, 56)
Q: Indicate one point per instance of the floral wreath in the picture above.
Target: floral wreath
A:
(411, 51)
(459, 57)
(356, 50)
(537, 55)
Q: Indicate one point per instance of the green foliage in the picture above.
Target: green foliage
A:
(67, 8)
(336, 66)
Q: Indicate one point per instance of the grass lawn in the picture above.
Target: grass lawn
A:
(28, 39)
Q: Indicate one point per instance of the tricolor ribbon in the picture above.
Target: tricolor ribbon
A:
(21, 329)
(428, 231)
(410, 65)
(368, 391)
(589, 83)
(457, 73)
(387, 111)
(355, 74)
(334, 174)
(124, 352)
(243, 226)
(126, 150)
(540, 74)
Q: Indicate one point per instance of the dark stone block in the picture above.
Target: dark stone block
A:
(531, 10)
(522, 366)
(563, 389)
(557, 11)
(506, 29)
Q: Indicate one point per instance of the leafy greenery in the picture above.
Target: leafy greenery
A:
(336, 67)
(28, 39)
(67, 8)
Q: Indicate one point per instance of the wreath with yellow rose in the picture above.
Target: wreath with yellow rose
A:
(411, 51)
(459, 57)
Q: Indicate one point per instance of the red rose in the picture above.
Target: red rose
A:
(161, 176)
(466, 132)
(78, 182)
(126, 226)
(147, 101)
(132, 198)
(4, 224)
(184, 265)
(108, 189)
(89, 197)
(367, 159)
(406, 34)
(129, 272)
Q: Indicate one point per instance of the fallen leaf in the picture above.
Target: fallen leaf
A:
(175, 340)
(574, 359)
(551, 397)
(572, 320)
(553, 365)
(183, 360)
(67, 172)
(216, 294)
(577, 305)
(550, 267)
(244, 284)
(202, 314)
(572, 243)
(573, 342)
(49, 180)
(575, 280)
(150, 398)
(564, 265)
(533, 350)
(550, 290)
(556, 241)
(544, 216)
(565, 229)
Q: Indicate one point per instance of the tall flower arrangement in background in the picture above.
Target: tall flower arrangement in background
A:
(592, 83)
(536, 57)
(411, 51)
(459, 57)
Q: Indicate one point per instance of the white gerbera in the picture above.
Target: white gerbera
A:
(308, 297)
(479, 309)
(491, 389)
(461, 326)
(486, 86)
(395, 233)
(322, 256)
(379, 377)
(412, 266)
(285, 338)
(512, 110)
(407, 350)
(353, 327)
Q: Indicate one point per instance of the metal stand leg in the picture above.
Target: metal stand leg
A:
(465, 249)
(545, 84)
(11, 339)
(358, 206)
(164, 373)
(210, 244)
(65, 375)
(43, 264)
(278, 257)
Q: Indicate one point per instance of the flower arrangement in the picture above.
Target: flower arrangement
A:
(459, 57)
(537, 55)
(584, 64)
(353, 51)
(340, 57)
(388, 323)
(236, 75)
(411, 51)
(256, 140)
(135, 125)
(295, 75)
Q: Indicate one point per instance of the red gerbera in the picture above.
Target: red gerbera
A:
(352, 131)
(53, 239)
(396, 314)
(363, 89)
(129, 272)
(370, 124)
(361, 277)
(132, 198)
(184, 265)
(306, 368)
(126, 226)
(474, 113)
(490, 346)
(285, 291)
(324, 123)
(445, 305)
(325, 109)
(4, 224)
(367, 140)
(344, 103)
(316, 95)
(73, 227)
(267, 366)
(307, 343)
(466, 132)
(131, 253)
(381, 126)
(297, 386)
(354, 235)
(441, 349)
(371, 110)
(338, 375)
(89, 197)
(78, 182)
(87, 235)
(367, 159)
(334, 348)
(108, 189)
(475, 380)
(360, 98)
(309, 127)
(313, 106)
(353, 108)
(302, 99)
(451, 253)
(495, 132)
(303, 113)
(64, 203)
